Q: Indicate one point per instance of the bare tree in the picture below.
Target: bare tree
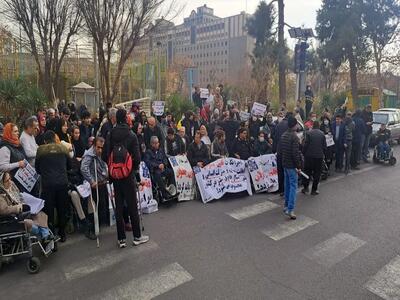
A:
(117, 27)
(49, 27)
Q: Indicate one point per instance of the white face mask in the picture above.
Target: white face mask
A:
(254, 119)
(326, 122)
(261, 139)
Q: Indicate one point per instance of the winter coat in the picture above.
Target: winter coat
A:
(230, 127)
(280, 129)
(156, 131)
(348, 129)
(88, 169)
(360, 129)
(154, 158)
(262, 148)
(218, 150)
(314, 144)
(242, 148)
(198, 153)
(289, 150)
(175, 147)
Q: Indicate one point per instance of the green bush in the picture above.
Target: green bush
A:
(178, 105)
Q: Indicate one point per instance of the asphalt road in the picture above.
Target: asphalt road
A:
(344, 245)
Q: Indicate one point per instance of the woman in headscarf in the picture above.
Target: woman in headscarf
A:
(12, 155)
(62, 136)
(11, 202)
(42, 129)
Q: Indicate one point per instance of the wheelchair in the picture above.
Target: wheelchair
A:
(170, 187)
(379, 157)
(15, 241)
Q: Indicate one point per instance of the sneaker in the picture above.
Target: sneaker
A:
(285, 210)
(315, 193)
(143, 239)
(305, 191)
(121, 243)
(292, 215)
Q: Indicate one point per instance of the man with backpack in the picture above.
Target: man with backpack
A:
(123, 165)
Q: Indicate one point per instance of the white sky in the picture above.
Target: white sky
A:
(297, 12)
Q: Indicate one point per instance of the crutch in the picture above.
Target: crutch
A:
(96, 210)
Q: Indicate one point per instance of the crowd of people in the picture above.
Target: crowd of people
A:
(68, 146)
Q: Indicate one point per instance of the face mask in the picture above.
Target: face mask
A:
(313, 119)
(326, 122)
(261, 139)
(254, 119)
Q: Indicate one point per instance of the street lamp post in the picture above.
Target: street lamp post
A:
(159, 71)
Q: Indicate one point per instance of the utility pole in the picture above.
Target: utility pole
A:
(281, 51)
(96, 71)
(159, 72)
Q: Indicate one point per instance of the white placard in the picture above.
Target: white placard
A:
(264, 173)
(111, 204)
(258, 109)
(204, 93)
(329, 140)
(27, 176)
(225, 175)
(244, 116)
(145, 189)
(36, 204)
(158, 108)
(184, 177)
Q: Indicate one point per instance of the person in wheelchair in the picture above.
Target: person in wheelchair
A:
(157, 162)
(382, 138)
(11, 203)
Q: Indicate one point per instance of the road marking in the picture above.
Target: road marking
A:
(386, 283)
(289, 227)
(96, 263)
(334, 250)
(77, 237)
(252, 210)
(151, 285)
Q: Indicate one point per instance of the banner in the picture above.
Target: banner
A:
(147, 202)
(329, 140)
(258, 109)
(184, 177)
(27, 176)
(158, 108)
(204, 93)
(264, 173)
(225, 175)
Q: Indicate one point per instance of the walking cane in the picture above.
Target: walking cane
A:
(96, 211)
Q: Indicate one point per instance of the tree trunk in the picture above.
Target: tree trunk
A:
(377, 57)
(281, 42)
(353, 75)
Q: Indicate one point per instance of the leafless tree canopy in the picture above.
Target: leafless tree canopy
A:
(49, 27)
(116, 27)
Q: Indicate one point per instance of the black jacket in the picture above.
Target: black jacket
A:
(280, 129)
(122, 135)
(175, 147)
(52, 163)
(262, 148)
(289, 149)
(314, 144)
(242, 148)
(148, 133)
(198, 154)
(230, 127)
(154, 158)
(368, 117)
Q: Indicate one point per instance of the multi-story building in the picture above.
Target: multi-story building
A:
(218, 48)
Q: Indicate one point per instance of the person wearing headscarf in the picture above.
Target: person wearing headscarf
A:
(11, 202)
(41, 128)
(12, 155)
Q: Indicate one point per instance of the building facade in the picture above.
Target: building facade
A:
(218, 48)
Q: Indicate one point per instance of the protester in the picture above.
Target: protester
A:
(174, 144)
(289, 150)
(204, 136)
(196, 97)
(280, 129)
(368, 119)
(27, 139)
(314, 149)
(153, 129)
(52, 163)
(242, 148)
(358, 139)
(309, 95)
(383, 138)
(184, 137)
(218, 147)
(230, 126)
(125, 189)
(326, 128)
(348, 140)
(138, 130)
(310, 122)
(262, 145)
(86, 128)
(198, 154)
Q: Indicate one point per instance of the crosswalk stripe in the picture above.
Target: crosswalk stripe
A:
(252, 210)
(289, 228)
(96, 263)
(386, 283)
(334, 250)
(151, 285)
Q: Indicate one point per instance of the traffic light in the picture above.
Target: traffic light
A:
(300, 54)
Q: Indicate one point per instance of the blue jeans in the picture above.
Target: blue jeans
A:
(290, 188)
(383, 149)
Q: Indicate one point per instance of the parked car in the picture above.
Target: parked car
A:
(390, 117)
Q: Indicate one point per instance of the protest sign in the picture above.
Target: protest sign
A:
(329, 140)
(264, 173)
(158, 108)
(36, 204)
(258, 109)
(27, 176)
(184, 177)
(147, 203)
(225, 175)
(204, 93)
(244, 116)
(111, 204)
